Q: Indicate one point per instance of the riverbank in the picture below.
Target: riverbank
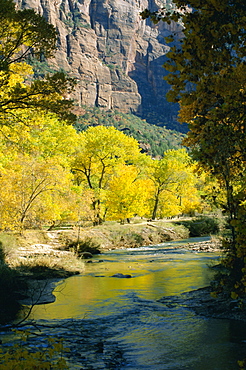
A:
(40, 291)
(42, 257)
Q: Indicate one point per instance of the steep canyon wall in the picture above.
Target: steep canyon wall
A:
(116, 57)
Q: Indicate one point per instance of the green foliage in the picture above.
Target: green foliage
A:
(40, 68)
(163, 14)
(201, 226)
(23, 33)
(86, 25)
(158, 138)
(74, 19)
(234, 283)
(138, 239)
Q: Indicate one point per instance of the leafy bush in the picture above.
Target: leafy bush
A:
(202, 226)
(138, 239)
(87, 245)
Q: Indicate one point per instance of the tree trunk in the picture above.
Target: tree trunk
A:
(154, 213)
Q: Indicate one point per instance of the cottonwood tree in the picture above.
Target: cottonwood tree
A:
(39, 134)
(35, 178)
(101, 150)
(30, 190)
(208, 78)
(170, 176)
(127, 194)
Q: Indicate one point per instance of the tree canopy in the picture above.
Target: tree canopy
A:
(207, 74)
(23, 33)
(49, 172)
(101, 150)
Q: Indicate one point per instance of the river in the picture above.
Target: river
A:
(118, 323)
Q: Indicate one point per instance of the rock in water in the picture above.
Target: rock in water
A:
(122, 276)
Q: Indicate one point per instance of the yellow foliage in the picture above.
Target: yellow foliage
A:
(234, 295)
(214, 294)
(23, 358)
(242, 364)
(174, 183)
(31, 187)
(101, 151)
(127, 194)
(39, 134)
(36, 181)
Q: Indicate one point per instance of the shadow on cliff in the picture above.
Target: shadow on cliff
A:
(154, 108)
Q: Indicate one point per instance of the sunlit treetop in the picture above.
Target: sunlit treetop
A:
(24, 33)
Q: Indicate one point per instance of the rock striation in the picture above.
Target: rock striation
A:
(116, 56)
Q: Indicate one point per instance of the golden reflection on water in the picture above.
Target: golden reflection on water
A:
(152, 335)
(97, 291)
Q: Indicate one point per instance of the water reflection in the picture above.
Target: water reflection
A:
(182, 341)
(125, 316)
(154, 275)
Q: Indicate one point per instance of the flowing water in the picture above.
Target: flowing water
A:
(117, 323)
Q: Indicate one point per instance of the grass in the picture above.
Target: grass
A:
(16, 270)
(138, 233)
(80, 247)
(8, 242)
(47, 266)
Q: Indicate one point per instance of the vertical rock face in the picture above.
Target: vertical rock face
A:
(115, 55)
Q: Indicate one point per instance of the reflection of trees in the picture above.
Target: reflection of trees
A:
(152, 280)
(156, 333)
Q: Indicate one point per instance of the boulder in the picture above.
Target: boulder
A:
(122, 276)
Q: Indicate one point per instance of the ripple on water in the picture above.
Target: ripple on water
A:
(119, 323)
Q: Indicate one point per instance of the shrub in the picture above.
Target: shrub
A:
(202, 226)
(138, 239)
(86, 245)
(48, 267)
